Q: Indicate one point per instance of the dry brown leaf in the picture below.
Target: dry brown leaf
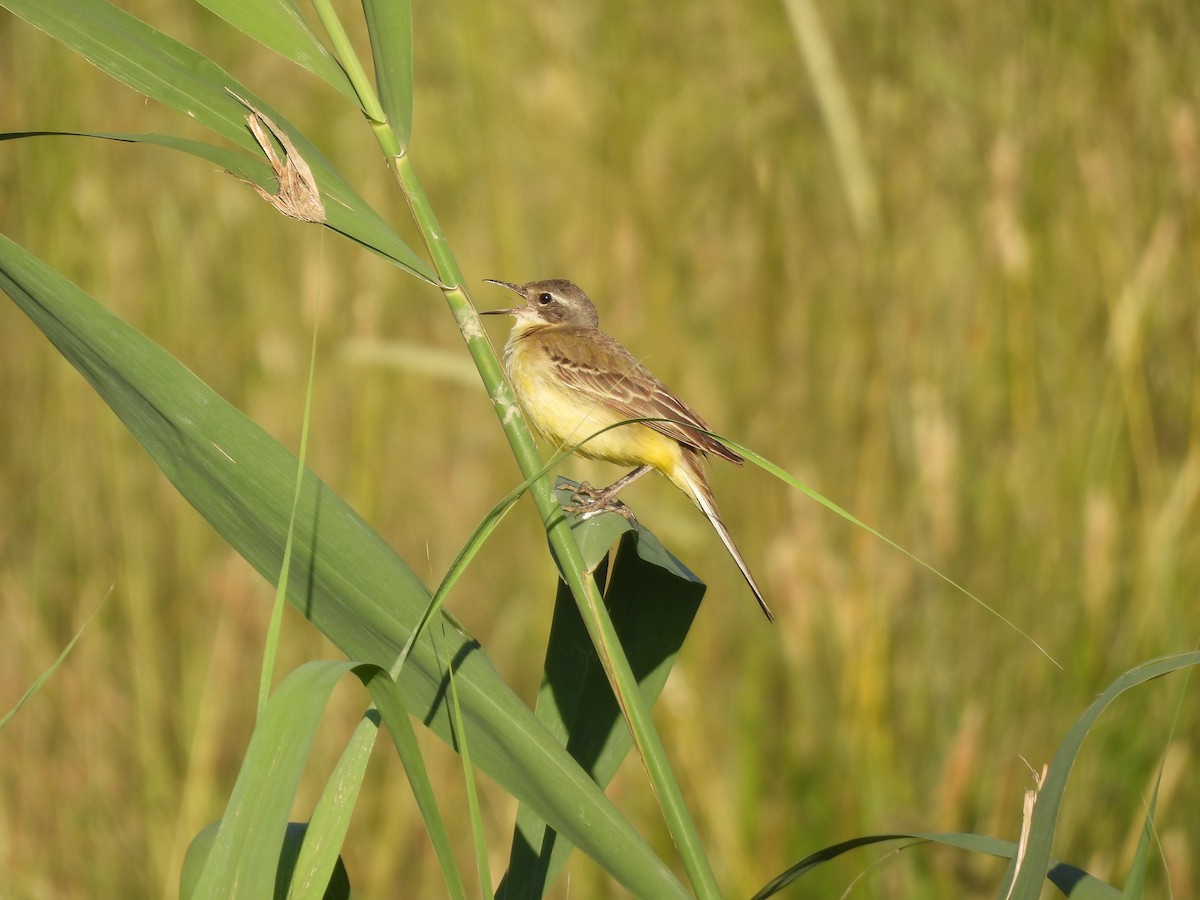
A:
(298, 196)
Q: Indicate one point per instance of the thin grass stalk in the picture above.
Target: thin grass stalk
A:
(404, 739)
(476, 816)
(583, 588)
(271, 645)
(53, 667)
(330, 818)
(587, 595)
(351, 65)
(858, 180)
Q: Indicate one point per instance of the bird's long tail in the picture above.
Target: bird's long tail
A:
(689, 476)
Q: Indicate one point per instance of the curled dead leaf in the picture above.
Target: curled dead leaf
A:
(298, 196)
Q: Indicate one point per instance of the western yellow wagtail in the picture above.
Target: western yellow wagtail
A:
(573, 380)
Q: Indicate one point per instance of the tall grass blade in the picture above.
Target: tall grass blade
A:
(858, 180)
(1135, 883)
(330, 819)
(271, 649)
(463, 743)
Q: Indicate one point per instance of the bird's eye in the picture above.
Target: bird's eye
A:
(545, 298)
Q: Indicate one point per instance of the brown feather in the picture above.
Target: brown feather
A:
(613, 378)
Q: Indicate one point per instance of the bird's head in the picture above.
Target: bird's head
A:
(553, 302)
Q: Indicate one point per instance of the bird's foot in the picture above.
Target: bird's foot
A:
(590, 501)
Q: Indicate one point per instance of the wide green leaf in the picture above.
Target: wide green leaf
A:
(652, 599)
(330, 819)
(280, 26)
(343, 576)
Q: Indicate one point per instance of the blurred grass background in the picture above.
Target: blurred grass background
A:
(1000, 374)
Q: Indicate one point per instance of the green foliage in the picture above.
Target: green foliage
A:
(982, 338)
(200, 849)
(343, 578)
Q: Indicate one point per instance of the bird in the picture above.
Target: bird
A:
(573, 380)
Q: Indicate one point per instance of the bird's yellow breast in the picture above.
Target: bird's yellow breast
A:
(565, 417)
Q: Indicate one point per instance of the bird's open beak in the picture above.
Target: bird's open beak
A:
(515, 288)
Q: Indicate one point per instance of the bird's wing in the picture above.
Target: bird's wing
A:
(623, 385)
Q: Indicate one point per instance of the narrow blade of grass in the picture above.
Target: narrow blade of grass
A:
(786, 477)
(1135, 884)
(391, 707)
(462, 742)
(271, 648)
(53, 667)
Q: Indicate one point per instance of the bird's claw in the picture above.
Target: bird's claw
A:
(592, 502)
